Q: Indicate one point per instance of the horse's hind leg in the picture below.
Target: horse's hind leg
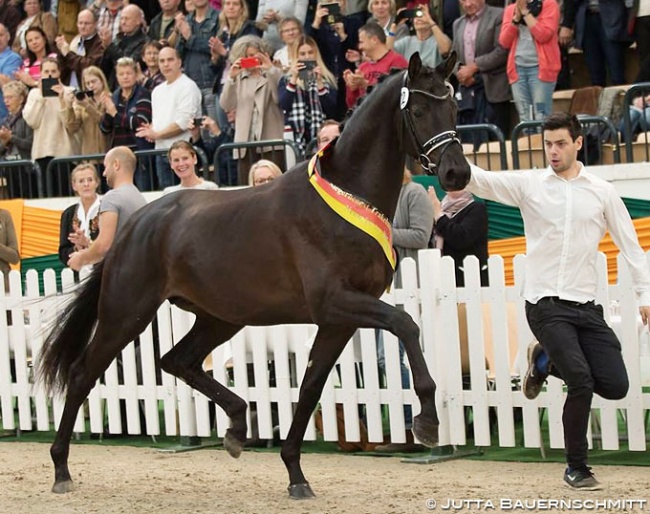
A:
(109, 339)
(185, 361)
(328, 345)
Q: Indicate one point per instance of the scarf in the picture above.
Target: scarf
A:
(306, 115)
(86, 221)
(451, 207)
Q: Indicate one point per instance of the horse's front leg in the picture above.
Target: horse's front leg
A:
(328, 345)
(363, 310)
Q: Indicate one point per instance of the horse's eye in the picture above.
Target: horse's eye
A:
(418, 112)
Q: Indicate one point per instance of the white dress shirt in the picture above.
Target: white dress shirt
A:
(564, 221)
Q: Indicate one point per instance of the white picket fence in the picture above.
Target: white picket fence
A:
(494, 328)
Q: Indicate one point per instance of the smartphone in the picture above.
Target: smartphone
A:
(308, 71)
(198, 122)
(409, 14)
(249, 62)
(46, 87)
(333, 13)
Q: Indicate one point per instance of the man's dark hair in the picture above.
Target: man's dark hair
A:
(562, 120)
(374, 30)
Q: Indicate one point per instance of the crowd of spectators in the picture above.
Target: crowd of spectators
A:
(277, 69)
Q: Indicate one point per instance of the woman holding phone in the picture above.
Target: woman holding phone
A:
(233, 24)
(252, 89)
(308, 94)
(53, 137)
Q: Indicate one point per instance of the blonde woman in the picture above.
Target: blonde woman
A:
(80, 222)
(263, 171)
(233, 24)
(308, 93)
(383, 13)
(85, 108)
(271, 12)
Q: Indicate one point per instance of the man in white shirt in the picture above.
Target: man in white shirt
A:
(566, 213)
(174, 104)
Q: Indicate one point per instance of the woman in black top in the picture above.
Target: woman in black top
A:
(80, 222)
(461, 229)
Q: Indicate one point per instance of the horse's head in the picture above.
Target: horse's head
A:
(429, 111)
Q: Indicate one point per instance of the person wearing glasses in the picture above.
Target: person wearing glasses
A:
(263, 171)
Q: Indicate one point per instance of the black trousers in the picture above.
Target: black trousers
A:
(586, 354)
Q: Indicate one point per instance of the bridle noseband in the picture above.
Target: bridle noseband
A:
(440, 141)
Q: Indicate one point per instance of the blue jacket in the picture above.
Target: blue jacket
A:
(613, 13)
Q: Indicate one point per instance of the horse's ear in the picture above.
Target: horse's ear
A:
(415, 65)
(446, 68)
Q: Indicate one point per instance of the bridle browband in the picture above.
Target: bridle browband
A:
(440, 141)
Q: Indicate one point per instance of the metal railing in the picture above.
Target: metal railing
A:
(630, 129)
(491, 151)
(598, 131)
(229, 171)
(20, 179)
(59, 169)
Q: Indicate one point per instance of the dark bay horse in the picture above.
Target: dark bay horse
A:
(273, 254)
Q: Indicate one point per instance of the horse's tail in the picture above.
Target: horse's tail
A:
(70, 334)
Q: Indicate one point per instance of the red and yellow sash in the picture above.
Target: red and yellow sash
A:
(353, 210)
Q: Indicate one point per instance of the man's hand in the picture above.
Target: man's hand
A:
(466, 73)
(146, 132)
(182, 26)
(565, 36)
(75, 261)
(644, 310)
(62, 45)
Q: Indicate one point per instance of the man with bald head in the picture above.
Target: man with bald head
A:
(115, 208)
(128, 43)
(174, 105)
(84, 50)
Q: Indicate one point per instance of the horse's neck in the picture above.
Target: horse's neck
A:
(368, 161)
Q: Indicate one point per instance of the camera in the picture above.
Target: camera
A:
(333, 13)
(308, 71)
(249, 62)
(80, 95)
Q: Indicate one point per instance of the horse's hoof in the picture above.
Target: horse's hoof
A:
(426, 432)
(232, 445)
(64, 486)
(300, 491)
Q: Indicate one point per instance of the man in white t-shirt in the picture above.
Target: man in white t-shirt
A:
(174, 104)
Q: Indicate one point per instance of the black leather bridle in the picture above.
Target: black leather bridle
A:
(440, 141)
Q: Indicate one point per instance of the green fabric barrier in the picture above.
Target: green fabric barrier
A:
(505, 221)
(40, 264)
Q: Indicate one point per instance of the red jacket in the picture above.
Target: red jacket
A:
(372, 71)
(544, 35)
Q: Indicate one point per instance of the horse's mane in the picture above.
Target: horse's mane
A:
(362, 103)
